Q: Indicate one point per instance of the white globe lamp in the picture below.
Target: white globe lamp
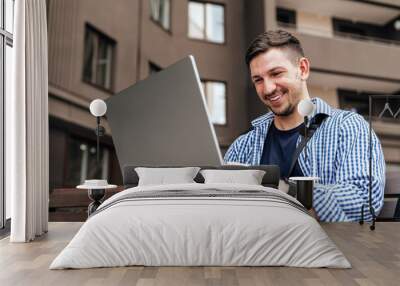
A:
(98, 108)
(396, 25)
(306, 108)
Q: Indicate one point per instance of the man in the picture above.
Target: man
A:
(340, 154)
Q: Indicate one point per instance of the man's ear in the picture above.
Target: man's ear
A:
(304, 66)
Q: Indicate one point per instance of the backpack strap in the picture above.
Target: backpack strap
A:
(314, 125)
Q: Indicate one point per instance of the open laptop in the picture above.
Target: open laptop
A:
(163, 120)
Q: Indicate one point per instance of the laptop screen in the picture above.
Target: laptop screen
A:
(163, 120)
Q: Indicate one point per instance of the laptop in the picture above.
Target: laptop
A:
(163, 120)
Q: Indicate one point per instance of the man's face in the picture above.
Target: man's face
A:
(278, 79)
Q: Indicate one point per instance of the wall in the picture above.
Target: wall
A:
(328, 95)
(214, 61)
(313, 24)
(140, 40)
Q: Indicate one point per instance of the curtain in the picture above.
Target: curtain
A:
(27, 124)
(155, 9)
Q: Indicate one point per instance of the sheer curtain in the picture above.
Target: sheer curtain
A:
(27, 152)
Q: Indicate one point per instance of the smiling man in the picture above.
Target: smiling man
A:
(339, 147)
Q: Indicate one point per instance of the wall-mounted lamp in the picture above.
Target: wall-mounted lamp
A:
(306, 108)
(305, 185)
(396, 25)
(98, 108)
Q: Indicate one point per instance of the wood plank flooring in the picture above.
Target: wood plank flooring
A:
(375, 257)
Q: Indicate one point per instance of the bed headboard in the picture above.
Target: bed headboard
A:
(270, 179)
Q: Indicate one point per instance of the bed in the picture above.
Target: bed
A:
(201, 224)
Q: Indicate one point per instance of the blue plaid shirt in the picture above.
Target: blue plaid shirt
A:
(339, 150)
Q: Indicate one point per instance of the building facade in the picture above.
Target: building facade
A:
(140, 41)
(98, 48)
(354, 47)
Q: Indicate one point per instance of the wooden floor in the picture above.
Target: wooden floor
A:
(375, 256)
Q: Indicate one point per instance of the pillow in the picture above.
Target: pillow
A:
(162, 176)
(236, 164)
(248, 177)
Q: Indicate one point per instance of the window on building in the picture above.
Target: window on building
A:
(82, 163)
(160, 12)
(364, 30)
(98, 58)
(348, 27)
(353, 101)
(73, 156)
(207, 21)
(73, 159)
(358, 101)
(286, 16)
(215, 94)
(6, 70)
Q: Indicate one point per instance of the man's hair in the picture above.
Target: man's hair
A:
(273, 39)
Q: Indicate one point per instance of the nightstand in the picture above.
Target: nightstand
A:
(96, 194)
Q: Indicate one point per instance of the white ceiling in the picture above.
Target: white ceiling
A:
(355, 11)
(331, 81)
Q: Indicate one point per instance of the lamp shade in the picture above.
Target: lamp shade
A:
(305, 107)
(396, 25)
(98, 107)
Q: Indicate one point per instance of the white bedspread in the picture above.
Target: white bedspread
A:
(183, 231)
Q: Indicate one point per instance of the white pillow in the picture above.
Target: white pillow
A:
(236, 164)
(248, 177)
(162, 176)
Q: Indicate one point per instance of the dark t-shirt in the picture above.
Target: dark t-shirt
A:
(279, 147)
